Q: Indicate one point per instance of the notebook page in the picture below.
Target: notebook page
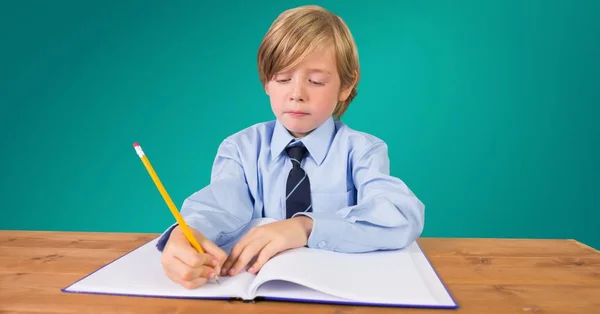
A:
(388, 277)
(430, 277)
(284, 290)
(140, 273)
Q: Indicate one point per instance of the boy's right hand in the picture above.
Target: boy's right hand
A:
(185, 266)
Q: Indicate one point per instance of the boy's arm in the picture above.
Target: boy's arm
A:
(387, 214)
(223, 207)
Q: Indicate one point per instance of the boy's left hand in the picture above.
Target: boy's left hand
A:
(266, 241)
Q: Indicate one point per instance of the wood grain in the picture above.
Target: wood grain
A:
(484, 276)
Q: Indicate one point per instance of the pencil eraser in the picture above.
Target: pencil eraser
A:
(138, 149)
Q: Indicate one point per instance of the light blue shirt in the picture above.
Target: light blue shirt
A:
(356, 205)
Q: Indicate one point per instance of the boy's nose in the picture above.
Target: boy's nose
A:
(297, 97)
(297, 93)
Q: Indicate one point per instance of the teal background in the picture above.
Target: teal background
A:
(490, 109)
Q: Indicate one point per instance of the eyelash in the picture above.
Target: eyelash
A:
(314, 82)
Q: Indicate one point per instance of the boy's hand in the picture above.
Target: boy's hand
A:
(266, 241)
(185, 266)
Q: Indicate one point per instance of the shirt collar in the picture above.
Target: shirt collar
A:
(317, 142)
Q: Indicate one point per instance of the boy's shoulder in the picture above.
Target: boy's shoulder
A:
(258, 131)
(355, 137)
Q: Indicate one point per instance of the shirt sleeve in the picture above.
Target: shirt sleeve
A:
(387, 215)
(212, 210)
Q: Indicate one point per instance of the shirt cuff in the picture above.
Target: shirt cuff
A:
(162, 241)
(326, 230)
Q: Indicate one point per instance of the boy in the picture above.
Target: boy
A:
(327, 185)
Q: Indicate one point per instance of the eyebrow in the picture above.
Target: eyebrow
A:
(320, 71)
(312, 70)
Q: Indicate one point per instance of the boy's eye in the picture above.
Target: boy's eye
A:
(317, 82)
(282, 80)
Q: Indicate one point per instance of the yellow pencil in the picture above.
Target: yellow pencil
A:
(186, 230)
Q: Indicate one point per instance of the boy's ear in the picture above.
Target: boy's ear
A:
(346, 92)
(266, 88)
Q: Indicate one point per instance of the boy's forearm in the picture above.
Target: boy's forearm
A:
(306, 223)
(391, 221)
(215, 213)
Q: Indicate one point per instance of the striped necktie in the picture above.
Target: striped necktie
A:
(298, 185)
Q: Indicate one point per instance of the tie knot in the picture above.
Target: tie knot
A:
(296, 153)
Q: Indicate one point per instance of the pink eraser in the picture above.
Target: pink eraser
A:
(136, 144)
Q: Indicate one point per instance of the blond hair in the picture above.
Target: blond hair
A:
(299, 31)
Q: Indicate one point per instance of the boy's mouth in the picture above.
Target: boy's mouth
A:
(297, 114)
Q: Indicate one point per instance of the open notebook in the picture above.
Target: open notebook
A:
(402, 278)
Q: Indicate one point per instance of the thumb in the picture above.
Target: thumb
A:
(212, 249)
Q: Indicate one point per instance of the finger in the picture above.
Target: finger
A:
(189, 256)
(238, 248)
(189, 284)
(265, 254)
(172, 276)
(177, 278)
(234, 256)
(187, 273)
(183, 249)
(219, 256)
(181, 271)
(247, 254)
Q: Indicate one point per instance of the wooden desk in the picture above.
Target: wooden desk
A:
(484, 275)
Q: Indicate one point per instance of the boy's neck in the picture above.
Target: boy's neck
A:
(300, 135)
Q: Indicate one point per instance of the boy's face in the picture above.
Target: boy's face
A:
(305, 96)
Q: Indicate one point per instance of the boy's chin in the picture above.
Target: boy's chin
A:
(299, 127)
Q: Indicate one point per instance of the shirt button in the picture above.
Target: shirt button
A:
(321, 244)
